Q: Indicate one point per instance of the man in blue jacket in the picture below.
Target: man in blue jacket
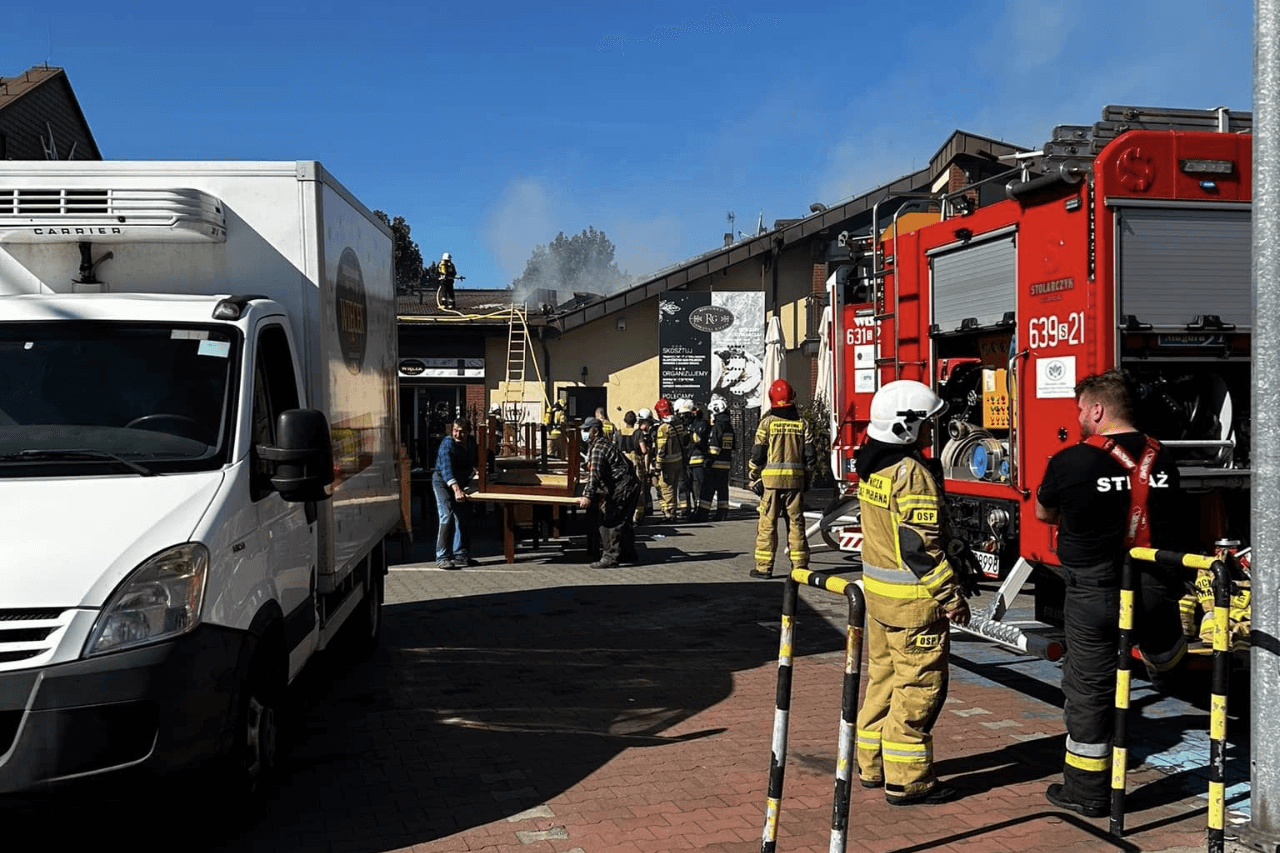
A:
(455, 466)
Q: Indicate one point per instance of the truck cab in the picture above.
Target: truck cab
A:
(191, 508)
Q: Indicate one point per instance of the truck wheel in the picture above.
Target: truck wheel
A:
(364, 631)
(256, 753)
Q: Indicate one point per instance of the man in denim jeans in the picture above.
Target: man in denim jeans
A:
(455, 466)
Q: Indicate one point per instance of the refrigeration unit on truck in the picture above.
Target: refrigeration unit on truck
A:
(1130, 249)
(197, 456)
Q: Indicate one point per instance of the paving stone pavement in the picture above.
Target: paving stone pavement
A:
(547, 707)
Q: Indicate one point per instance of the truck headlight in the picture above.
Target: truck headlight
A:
(159, 600)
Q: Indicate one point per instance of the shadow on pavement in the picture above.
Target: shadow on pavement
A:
(473, 710)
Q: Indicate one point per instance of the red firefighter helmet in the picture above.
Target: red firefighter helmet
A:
(662, 408)
(781, 393)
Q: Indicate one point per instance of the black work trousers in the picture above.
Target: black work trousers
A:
(697, 477)
(617, 526)
(1091, 613)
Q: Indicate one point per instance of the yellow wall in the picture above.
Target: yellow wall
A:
(795, 284)
(625, 362)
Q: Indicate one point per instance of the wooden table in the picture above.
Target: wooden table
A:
(509, 501)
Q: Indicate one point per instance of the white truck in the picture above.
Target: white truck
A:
(198, 456)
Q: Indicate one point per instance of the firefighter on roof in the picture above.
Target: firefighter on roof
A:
(911, 591)
(780, 459)
(446, 272)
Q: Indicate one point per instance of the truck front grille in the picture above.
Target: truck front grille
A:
(28, 636)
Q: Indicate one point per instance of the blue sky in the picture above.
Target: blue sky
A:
(492, 126)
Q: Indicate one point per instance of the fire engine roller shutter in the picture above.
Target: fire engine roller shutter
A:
(1171, 259)
(979, 281)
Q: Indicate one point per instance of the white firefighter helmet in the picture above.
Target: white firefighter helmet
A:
(899, 408)
(446, 257)
(683, 405)
(718, 406)
(644, 415)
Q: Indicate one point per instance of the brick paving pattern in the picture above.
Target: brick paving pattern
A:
(546, 707)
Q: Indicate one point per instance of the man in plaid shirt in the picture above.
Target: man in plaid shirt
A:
(611, 490)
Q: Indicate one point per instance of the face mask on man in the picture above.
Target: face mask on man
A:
(586, 436)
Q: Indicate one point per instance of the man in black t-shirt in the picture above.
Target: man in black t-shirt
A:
(1089, 491)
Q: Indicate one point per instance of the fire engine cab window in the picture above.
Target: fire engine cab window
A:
(275, 390)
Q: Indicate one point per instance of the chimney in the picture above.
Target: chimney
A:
(728, 238)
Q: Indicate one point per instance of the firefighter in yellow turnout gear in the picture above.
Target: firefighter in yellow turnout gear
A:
(669, 442)
(911, 593)
(780, 459)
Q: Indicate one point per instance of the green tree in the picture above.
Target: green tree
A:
(406, 258)
(583, 262)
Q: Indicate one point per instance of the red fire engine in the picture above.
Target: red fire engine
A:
(1121, 244)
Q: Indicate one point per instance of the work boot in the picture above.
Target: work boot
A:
(939, 793)
(1057, 794)
(761, 574)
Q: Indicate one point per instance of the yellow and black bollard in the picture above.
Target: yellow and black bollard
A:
(1218, 705)
(1124, 663)
(1221, 681)
(852, 590)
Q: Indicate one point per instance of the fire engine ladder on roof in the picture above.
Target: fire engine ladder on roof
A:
(518, 352)
(1075, 146)
(881, 267)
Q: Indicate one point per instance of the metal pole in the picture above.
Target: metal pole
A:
(1263, 830)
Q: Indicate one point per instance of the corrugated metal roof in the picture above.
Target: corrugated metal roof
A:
(473, 304)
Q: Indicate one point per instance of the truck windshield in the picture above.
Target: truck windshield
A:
(114, 398)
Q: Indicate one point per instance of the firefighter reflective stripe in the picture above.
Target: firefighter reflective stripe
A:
(937, 578)
(669, 450)
(907, 753)
(868, 740)
(893, 583)
(1088, 750)
(1092, 765)
(779, 453)
(1167, 660)
(919, 510)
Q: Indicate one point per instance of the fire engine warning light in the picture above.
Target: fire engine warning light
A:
(1208, 167)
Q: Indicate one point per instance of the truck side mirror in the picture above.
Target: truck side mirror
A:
(303, 456)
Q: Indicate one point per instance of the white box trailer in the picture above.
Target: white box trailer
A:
(198, 455)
